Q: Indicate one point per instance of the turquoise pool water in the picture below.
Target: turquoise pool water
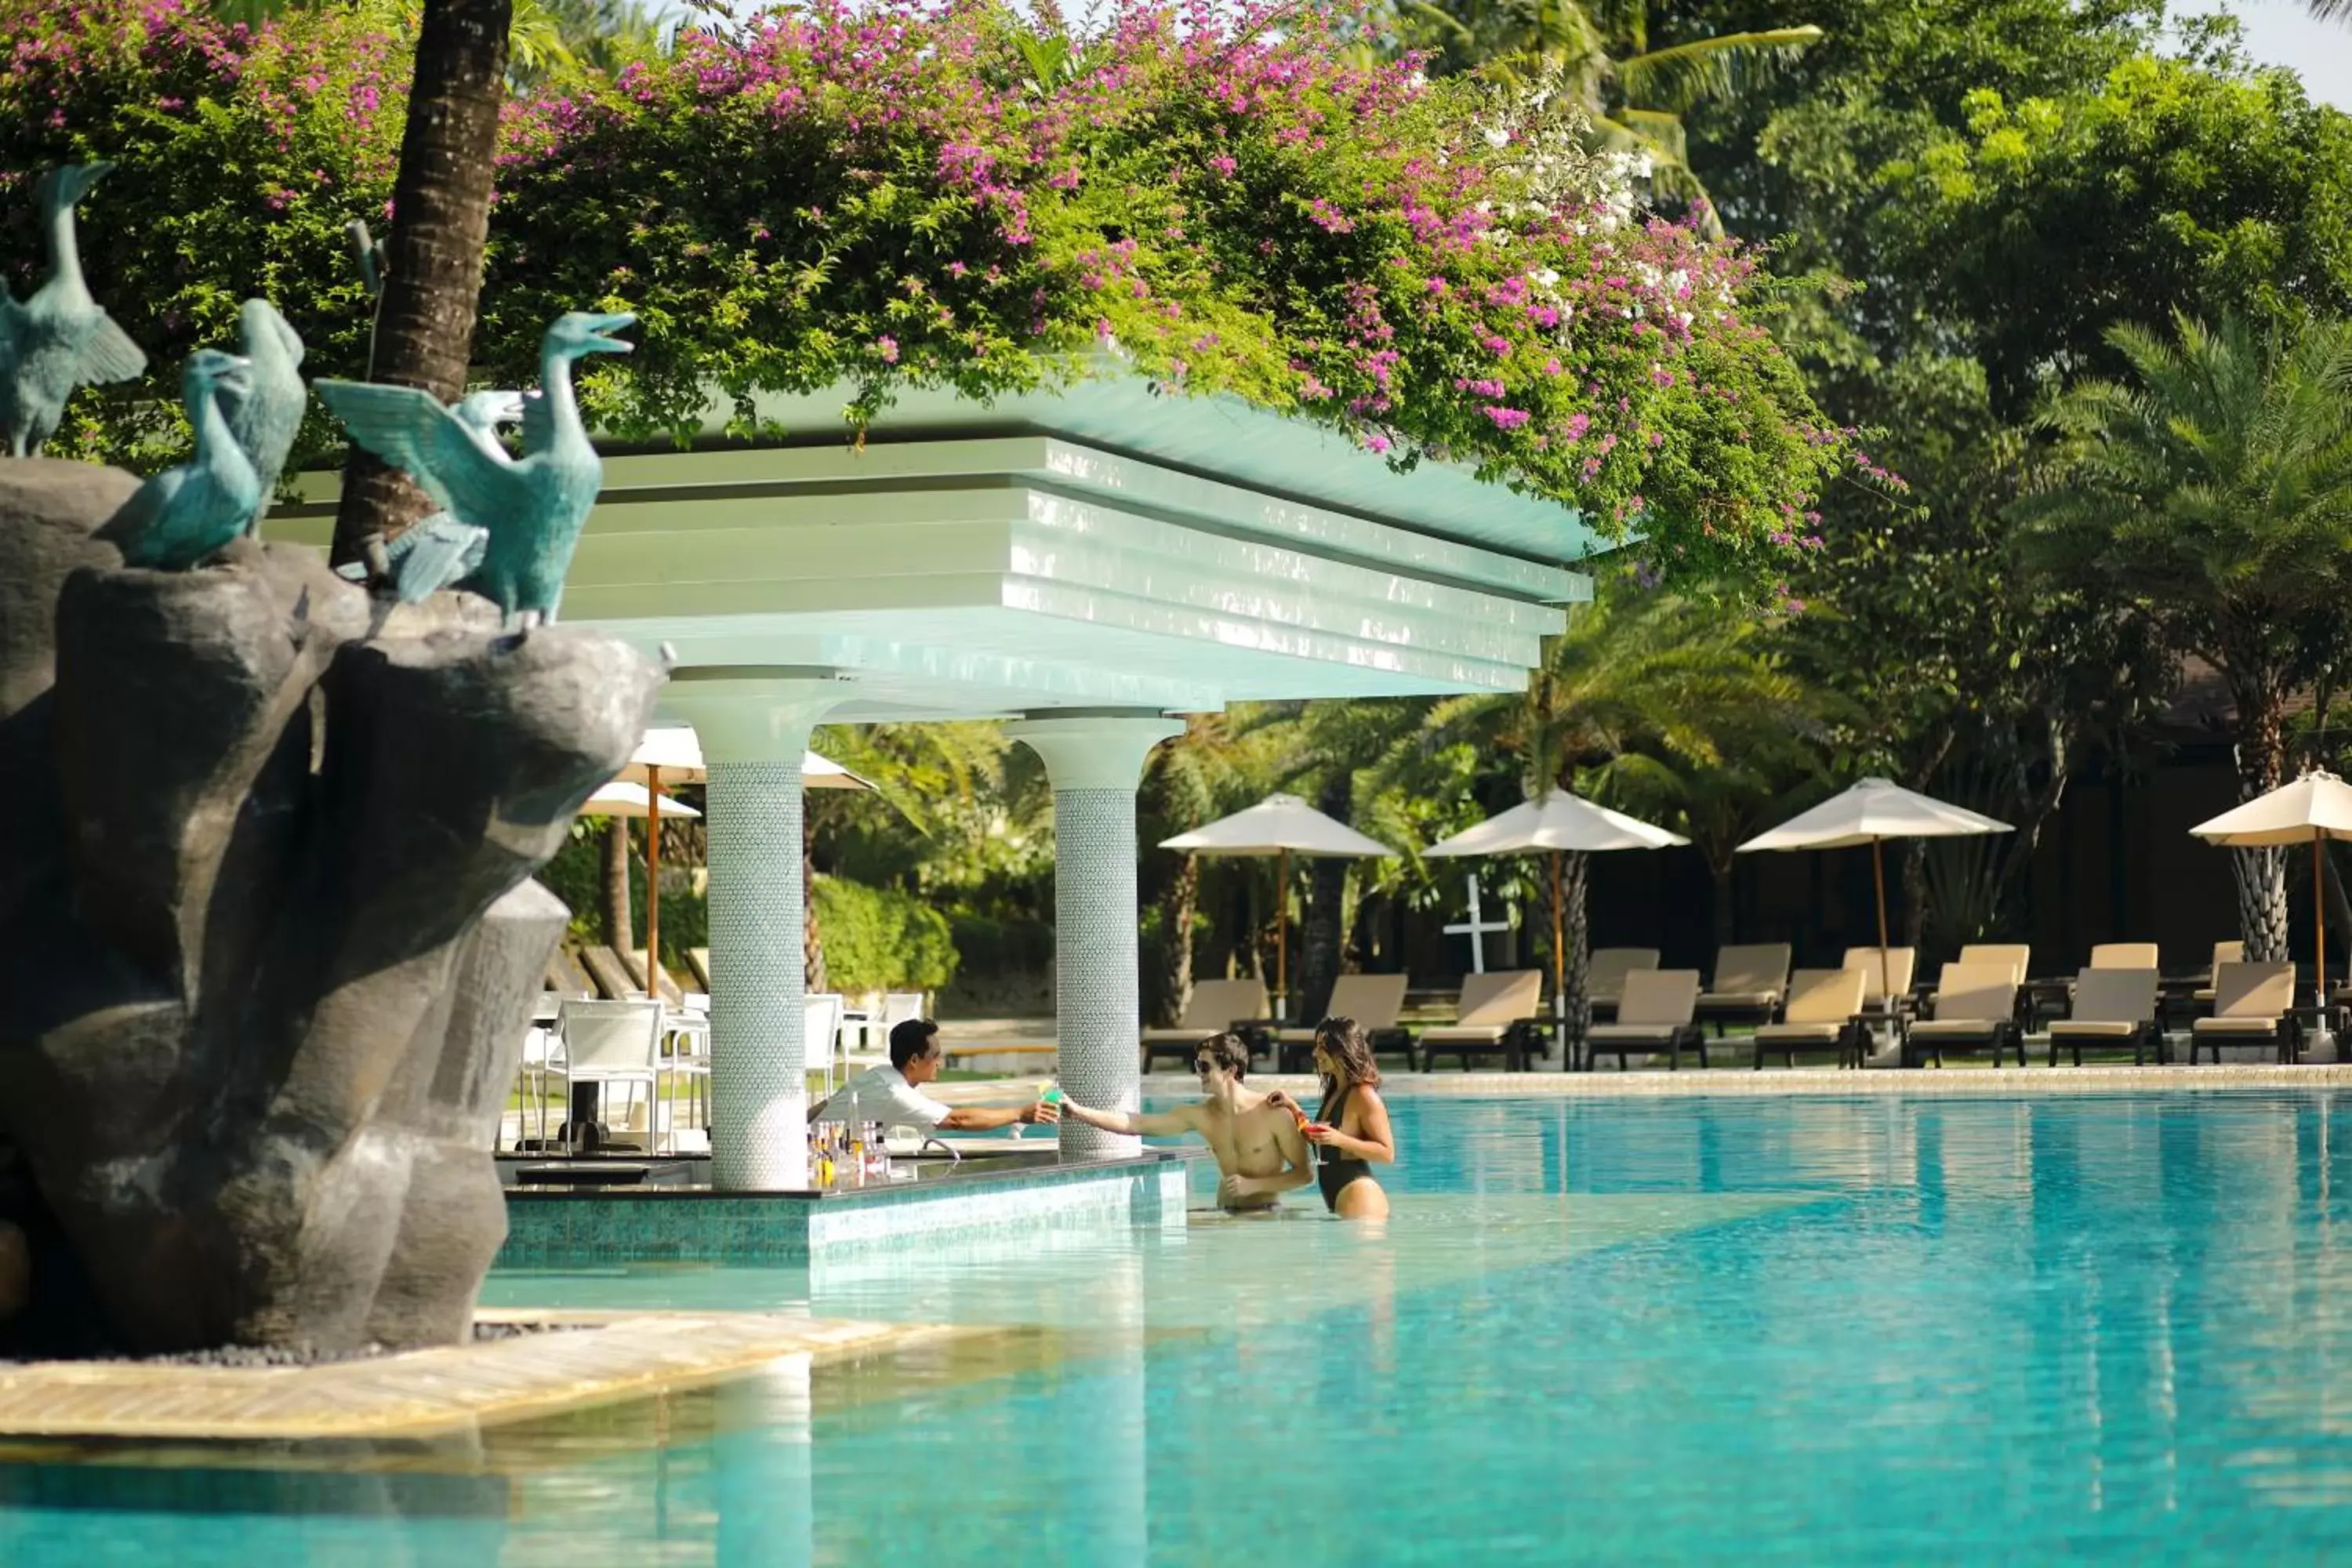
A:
(1809, 1330)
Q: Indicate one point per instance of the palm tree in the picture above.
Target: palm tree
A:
(1635, 673)
(433, 257)
(1215, 767)
(2213, 491)
(1599, 55)
(2330, 10)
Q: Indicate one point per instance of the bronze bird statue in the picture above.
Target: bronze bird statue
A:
(265, 417)
(59, 338)
(186, 513)
(441, 551)
(534, 506)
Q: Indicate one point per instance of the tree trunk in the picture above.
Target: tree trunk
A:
(1323, 926)
(2261, 873)
(811, 939)
(1575, 871)
(433, 257)
(1179, 902)
(617, 904)
(1726, 922)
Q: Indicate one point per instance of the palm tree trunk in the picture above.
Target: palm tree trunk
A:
(1577, 937)
(2262, 754)
(1320, 933)
(1726, 924)
(1180, 903)
(616, 909)
(433, 257)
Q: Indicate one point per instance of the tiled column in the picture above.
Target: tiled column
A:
(1094, 761)
(753, 731)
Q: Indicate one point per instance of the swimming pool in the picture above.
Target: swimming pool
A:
(1814, 1330)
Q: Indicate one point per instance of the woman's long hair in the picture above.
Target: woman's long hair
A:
(1343, 1040)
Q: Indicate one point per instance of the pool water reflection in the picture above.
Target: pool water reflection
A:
(1816, 1330)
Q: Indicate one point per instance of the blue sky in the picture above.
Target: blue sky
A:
(2281, 33)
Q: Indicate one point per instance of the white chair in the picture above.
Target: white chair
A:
(685, 1037)
(821, 1031)
(610, 1044)
(541, 1057)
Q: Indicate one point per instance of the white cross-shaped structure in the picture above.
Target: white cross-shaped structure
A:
(1475, 928)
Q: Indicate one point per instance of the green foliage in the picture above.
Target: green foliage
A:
(2176, 186)
(879, 939)
(2213, 490)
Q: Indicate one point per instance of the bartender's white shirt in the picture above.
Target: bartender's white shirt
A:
(883, 1094)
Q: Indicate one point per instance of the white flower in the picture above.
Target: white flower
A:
(1496, 136)
(1544, 278)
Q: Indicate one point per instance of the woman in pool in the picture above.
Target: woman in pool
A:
(1351, 1127)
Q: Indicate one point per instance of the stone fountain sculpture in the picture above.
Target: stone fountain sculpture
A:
(268, 930)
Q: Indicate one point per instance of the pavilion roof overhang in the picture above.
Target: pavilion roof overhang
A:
(1100, 548)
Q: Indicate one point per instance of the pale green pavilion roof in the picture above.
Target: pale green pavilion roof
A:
(1106, 546)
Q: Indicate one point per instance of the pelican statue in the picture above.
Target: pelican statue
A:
(264, 417)
(59, 338)
(441, 551)
(533, 506)
(184, 514)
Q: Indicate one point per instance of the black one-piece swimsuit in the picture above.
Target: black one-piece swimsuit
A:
(1333, 1170)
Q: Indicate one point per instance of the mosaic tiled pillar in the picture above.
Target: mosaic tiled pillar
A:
(753, 733)
(1094, 761)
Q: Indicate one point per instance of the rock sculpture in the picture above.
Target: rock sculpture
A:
(533, 506)
(187, 514)
(266, 411)
(59, 338)
(267, 928)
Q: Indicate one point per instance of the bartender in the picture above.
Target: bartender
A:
(893, 1095)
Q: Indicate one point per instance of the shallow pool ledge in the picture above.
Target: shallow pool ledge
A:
(558, 1226)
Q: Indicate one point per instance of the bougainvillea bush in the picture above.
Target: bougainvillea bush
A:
(899, 194)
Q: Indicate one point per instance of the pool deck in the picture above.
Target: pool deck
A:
(1973, 1078)
(596, 1358)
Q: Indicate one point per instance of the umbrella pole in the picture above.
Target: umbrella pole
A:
(1885, 960)
(2318, 933)
(652, 882)
(1282, 939)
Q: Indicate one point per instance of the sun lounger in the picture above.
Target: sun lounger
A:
(2014, 955)
(2252, 1005)
(1750, 983)
(1492, 1017)
(1373, 1000)
(1655, 1014)
(698, 960)
(2223, 952)
(613, 981)
(1882, 982)
(1604, 976)
(634, 961)
(1214, 1006)
(1819, 1017)
(2112, 1007)
(1976, 1009)
(2124, 955)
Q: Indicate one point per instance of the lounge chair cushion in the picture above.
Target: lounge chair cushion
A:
(1800, 1034)
(2202, 994)
(1661, 1033)
(1958, 1028)
(1178, 1034)
(1738, 998)
(1469, 1033)
(2258, 1029)
(2092, 1029)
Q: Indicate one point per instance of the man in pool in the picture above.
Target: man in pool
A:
(1258, 1147)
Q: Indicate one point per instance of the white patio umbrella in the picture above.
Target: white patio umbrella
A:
(673, 755)
(2316, 807)
(1872, 812)
(1558, 823)
(1280, 825)
(633, 801)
